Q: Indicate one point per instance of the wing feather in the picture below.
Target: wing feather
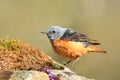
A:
(74, 36)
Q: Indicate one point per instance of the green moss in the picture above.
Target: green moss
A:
(8, 44)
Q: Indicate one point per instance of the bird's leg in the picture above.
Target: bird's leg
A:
(71, 62)
(74, 61)
(67, 62)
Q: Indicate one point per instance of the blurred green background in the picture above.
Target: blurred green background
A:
(99, 19)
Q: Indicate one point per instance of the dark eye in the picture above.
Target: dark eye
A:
(53, 31)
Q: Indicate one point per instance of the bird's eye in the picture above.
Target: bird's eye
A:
(53, 31)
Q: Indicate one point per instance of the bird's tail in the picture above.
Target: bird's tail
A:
(92, 48)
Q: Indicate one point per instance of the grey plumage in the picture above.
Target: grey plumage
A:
(55, 32)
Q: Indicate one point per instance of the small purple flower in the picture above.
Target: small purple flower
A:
(51, 77)
(46, 70)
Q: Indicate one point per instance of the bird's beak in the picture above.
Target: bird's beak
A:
(45, 32)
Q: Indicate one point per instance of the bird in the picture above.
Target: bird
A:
(70, 44)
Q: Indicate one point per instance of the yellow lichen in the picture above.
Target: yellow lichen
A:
(8, 44)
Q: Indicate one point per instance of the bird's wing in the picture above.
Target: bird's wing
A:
(77, 37)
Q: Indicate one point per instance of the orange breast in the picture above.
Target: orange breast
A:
(68, 49)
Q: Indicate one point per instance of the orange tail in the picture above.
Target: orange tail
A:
(92, 48)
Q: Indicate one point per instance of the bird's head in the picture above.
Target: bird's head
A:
(55, 32)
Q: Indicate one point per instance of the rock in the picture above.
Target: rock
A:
(29, 75)
(67, 74)
(23, 75)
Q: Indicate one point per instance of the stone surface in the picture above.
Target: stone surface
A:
(23, 75)
(67, 74)
(29, 75)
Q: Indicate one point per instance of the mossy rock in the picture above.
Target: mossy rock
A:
(19, 55)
